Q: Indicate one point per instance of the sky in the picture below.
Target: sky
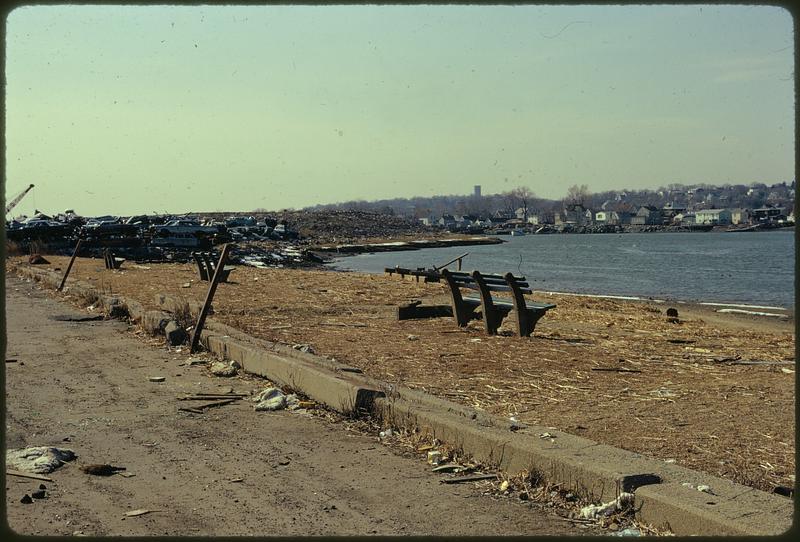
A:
(140, 109)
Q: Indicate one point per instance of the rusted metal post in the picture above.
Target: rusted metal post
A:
(201, 320)
(69, 267)
(456, 259)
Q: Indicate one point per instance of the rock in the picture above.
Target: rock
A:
(235, 364)
(39, 459)
(175, 334)
(26, 499)
(412, 338)
(38, 494)
(219, 368)
(42, 486)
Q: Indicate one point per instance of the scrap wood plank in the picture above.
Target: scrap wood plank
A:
(207, 397)
(341, 324)
(139, 512)
(210, 405)
(12, 472)
(226, 393)
(470, 478)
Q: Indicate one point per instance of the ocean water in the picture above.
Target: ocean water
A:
(755, 268)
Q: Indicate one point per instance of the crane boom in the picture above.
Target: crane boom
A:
(13, 202)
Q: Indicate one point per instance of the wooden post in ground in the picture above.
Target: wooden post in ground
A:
(69, 267)
(201, 320)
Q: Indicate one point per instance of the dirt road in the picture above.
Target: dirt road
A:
(230, 471)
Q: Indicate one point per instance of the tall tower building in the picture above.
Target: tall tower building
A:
(477, 191)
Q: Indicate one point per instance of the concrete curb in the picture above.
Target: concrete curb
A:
(596, 470)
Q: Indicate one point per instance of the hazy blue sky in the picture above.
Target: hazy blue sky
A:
(126, 109)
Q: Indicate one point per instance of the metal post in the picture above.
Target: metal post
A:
(456, 259)
(71, 261)
(201, 320)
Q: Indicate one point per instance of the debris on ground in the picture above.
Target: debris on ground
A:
(606, 509)
(468, 478)
(174, 333)
(156, 378)
(270, 399)
(630, 531)
(38, 459)
(39, 494)
(139, 512)
(101, 469)
(435, 457)
(219, 368)
(307, 348)
(386, 433)
(700, 487)
(26, 499)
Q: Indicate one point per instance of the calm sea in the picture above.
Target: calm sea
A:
(754, 268)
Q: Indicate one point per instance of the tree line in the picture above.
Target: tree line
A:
(524, 200)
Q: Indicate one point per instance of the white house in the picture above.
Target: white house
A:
(713, 216)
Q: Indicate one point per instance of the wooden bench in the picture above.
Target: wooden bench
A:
(111, 261)
(528, 313)
(427, 274)
(206, 267)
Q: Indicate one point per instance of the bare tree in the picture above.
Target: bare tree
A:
(520, 197)
(577, 195)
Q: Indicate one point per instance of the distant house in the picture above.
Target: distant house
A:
(769, 214)
(601, 217)
(448, 221)
(647, 215)
(671, 209)
(612, 218)
(740, 216)
(688, 219)
(712, 216)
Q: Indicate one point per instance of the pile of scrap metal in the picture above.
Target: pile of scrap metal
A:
(275, 256)
(243, 228)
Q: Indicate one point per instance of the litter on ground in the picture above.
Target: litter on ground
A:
(38, 459)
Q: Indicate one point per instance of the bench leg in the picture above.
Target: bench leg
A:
(527, 322)
(492, 319)
(463, 313)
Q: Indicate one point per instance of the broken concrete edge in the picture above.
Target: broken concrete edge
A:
(596, 471)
